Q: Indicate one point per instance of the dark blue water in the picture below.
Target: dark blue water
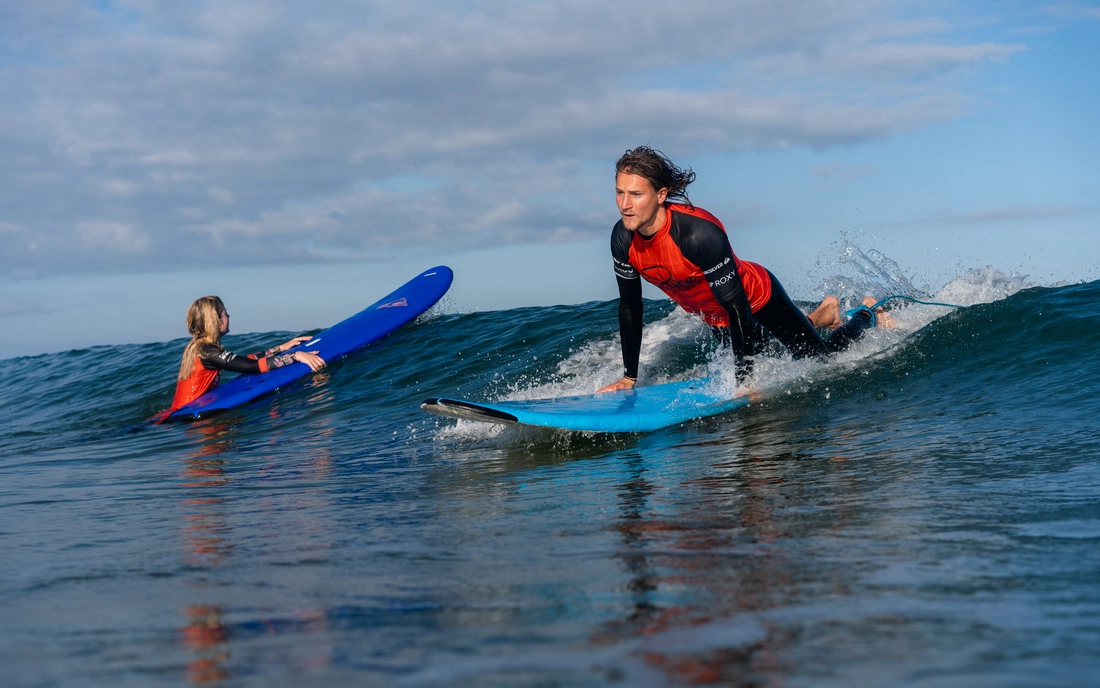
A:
(922, 511)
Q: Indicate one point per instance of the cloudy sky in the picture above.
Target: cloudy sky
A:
(301, 159)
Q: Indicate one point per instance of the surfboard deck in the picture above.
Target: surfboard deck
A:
(642, 409)
(345, 337)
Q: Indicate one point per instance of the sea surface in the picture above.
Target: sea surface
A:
(923, 510)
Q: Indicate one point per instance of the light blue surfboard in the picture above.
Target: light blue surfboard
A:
(642, 409)
(366, 327)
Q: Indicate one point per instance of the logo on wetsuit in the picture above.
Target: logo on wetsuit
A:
(723, 279)
(717, 267)
(661, 276)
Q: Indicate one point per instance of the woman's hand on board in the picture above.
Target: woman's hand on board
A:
(287, 346)
(310, 358)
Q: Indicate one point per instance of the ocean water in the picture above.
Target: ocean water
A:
(923, 510)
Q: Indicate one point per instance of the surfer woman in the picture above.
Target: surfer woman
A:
(685, 252)
(205, 357)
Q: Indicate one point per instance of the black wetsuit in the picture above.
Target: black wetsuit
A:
(705, 253)
(215, 357)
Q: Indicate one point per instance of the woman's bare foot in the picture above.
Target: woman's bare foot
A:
(882, 318)
(827, 315)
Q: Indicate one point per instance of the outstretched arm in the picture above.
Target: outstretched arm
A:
(630, 307)
(630, 331)
(216, 357)
(287, 346)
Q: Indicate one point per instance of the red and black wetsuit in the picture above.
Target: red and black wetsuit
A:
(691, 260)
(211, 360)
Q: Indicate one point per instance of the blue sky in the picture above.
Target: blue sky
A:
(301, 161)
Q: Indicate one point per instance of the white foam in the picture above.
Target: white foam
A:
(773, 373)
(467, 430)
(598, 363)
(984, 285)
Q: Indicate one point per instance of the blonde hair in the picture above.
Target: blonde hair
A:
(204, 323)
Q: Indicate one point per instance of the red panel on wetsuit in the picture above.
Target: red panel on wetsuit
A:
(757, 283)
(660, 261)
(754, 277)
(197, 384)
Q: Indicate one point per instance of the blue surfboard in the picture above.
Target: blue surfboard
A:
(641, 409)
(366, 327)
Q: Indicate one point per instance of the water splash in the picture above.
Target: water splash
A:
(778, 372)
(983, 285)
(866, 273)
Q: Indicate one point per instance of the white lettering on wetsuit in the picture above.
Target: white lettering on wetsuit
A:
(624, 270)
(723, 279)
(716, 267)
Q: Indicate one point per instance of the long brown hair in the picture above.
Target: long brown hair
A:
(655, 167)
(204, 323)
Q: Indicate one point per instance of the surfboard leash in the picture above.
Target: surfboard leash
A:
(872, 309)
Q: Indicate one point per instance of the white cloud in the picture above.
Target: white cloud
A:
(114, 236)
(243, 131)
(1071, 9)
(220, 195)
(1019, 214)
(123, 188)
(887, 61)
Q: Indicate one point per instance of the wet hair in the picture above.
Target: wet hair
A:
(655, 167)
(204, 323)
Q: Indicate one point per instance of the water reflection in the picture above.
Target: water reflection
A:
(206, 544)
(221, 507)
(700, 552)
(207, 637)
(633, 497)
